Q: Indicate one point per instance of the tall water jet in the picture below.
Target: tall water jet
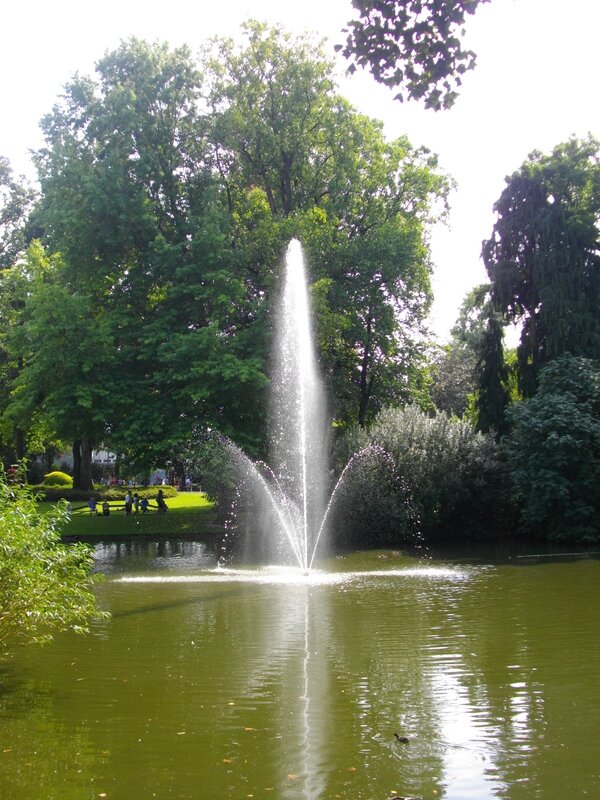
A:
(298, 418)
(293, 489)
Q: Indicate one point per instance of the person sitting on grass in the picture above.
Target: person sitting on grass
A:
(160, 502)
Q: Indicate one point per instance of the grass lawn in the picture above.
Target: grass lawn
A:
(189, 513)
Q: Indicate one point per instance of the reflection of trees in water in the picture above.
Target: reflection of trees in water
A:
(129, 554)
(532, 650)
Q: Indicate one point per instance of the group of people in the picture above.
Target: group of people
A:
(133, 504)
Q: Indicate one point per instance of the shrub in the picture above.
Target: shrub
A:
(442, 478)
(555, 452)
(45, 586)
(58, 478)
(54, 494)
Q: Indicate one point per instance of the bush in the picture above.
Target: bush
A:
(119, 492)
(440, 478)
(555, 452)
(58, 478)
(45, 586)
(53, 494)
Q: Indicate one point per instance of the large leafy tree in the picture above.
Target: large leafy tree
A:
(16, 198)
(277, 121)
(71, 384)
(360, 204)
(413, 46)
(130, 201)
(543, 258)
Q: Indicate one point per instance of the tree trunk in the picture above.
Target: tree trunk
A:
(86, 481)
(77, 464)
(179, 470)
(20, 444)
(366, 387)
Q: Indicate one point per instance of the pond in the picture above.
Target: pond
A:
(209, 683)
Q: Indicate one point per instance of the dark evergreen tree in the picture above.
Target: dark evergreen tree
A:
(543, 257)
(492, 389)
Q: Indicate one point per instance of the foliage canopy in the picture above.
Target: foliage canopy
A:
(543, 258)
(170, 187)
(555, 452)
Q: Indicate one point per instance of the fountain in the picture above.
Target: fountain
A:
(292, 490)
(299, 424)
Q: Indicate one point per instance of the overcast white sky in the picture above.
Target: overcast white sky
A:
(536, 83)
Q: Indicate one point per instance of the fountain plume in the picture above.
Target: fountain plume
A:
(293, 491)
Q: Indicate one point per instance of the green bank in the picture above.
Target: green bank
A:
(188, 513)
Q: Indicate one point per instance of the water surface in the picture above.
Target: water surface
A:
(210, 683)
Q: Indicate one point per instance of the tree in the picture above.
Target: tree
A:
(16, 199)
(412, 45)
(360, 205)
(131, 202)
(492, 379)
(381, 287)
(170, 225)
(274, 107)
(454, 367)
(555, 452)
(73, 383)
(543, 258)
(45, 586)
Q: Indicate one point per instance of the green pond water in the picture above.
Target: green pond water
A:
(268, 684)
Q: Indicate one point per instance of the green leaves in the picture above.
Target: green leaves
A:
(429, 477)
(542, 258)
(45, 586)
(412, 45)
(555, 452)
(170, 188)
(16, 199)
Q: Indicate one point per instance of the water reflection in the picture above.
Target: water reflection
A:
(242, 683)
(136, 554)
